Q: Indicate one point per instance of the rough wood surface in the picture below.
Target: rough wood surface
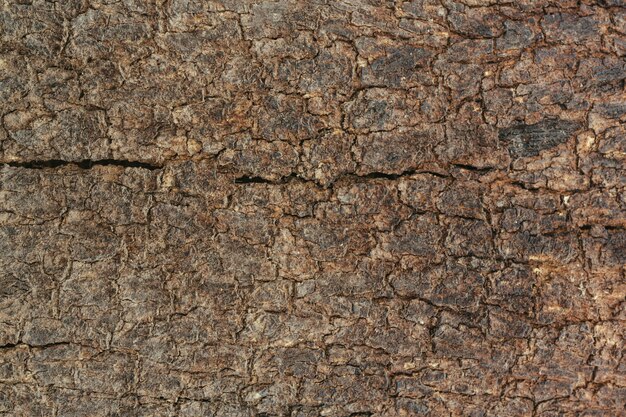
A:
(312, 208)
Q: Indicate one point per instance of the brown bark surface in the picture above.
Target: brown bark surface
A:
(312, 208)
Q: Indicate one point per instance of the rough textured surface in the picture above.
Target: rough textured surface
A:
(312, 208)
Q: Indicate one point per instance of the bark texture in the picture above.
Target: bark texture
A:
(312, 208)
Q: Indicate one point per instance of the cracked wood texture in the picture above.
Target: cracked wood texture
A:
(312, 208)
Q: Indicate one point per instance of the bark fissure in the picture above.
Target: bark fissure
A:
(82, 164)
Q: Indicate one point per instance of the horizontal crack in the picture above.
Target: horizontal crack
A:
(84, 164)
(473, 168)
(388, 176)
(253, 180)
(247, 179)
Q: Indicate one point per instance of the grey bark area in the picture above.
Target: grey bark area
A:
(312, 208)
